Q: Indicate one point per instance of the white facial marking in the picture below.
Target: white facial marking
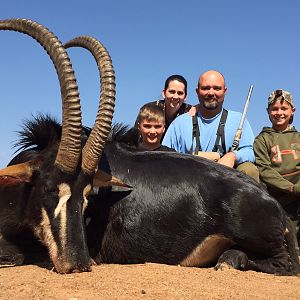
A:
(95, 191)
(64, 195)
(85, 193)
(61, 210)
(44, 233)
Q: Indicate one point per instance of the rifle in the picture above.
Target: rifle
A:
(215, 155)
(238, 134)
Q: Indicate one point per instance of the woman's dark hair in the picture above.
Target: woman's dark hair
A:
(178, 78)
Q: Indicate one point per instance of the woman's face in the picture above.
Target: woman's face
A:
(151, 132)
(174, 95)
(280, 113)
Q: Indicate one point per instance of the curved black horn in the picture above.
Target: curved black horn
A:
(92, 150)
(70, 146)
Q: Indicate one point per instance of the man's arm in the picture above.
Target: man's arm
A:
(170, 139)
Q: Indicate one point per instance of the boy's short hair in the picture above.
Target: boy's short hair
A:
(281, 95)
(151, 112)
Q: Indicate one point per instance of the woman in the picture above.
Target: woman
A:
(174, 94)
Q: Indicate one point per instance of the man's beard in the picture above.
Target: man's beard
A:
(210, 103)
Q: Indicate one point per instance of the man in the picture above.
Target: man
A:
(213, 128)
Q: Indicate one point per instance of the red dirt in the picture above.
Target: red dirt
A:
(144, 281)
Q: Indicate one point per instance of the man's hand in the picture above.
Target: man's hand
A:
(228, 159)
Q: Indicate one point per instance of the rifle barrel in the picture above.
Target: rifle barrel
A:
(238, 133)
(246, 107)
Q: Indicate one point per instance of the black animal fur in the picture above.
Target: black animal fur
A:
(175, 203)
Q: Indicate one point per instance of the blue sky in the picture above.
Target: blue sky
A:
(250, 42)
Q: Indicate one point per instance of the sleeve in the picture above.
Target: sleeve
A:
(179, 134)
(245, 151)
(170, 139)
(268, 174)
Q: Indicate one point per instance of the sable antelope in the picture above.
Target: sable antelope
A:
(46, 192)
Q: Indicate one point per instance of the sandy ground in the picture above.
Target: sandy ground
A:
(145, 281)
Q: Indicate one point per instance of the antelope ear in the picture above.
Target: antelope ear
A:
(18, 173)
(102, 179)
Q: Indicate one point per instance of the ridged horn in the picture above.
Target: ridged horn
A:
(70, 146)
(92, 150)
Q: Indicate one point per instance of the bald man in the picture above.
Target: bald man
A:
(213, 128)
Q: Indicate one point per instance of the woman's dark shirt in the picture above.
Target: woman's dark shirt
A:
(182, 110)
